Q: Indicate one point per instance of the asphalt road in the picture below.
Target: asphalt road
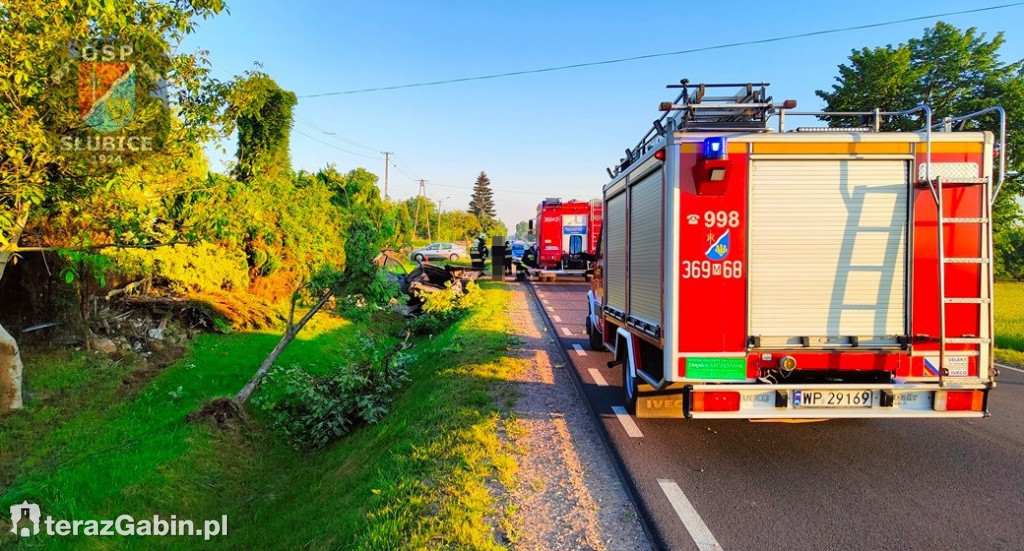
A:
(839, 484)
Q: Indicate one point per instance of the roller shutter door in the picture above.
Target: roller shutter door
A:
(615, 252)
(645, 249)
(828, 251)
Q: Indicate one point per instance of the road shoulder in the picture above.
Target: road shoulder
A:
(567, 495)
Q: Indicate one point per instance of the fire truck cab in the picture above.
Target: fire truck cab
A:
(820, 272)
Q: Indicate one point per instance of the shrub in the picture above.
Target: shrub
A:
(312, 411)
(443, 308)
(200, 267)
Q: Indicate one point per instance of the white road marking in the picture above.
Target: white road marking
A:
(545, 301)
(699, 531)
(566, 331)
(1017, 369)
(541, 295)
(597, 377)
(550, 309)
(579, 350)
(627, 422)
(556, 319)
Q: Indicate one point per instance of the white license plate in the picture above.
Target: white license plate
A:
(832, 398)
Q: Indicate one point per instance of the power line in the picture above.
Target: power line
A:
(315, 139)
(665, 54)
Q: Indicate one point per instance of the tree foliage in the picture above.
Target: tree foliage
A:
(482, 203)
(262, 112)
(956, 72)
(45, 47)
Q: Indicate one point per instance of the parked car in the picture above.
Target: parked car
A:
(439, 251)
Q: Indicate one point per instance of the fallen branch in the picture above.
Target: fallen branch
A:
(289, 335)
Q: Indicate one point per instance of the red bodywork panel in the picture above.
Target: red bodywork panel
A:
(962, 280)
(713, 281)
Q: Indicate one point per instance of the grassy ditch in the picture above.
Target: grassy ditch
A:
(104, 438)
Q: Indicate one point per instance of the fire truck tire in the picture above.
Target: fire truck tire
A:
(629, 390)
(595, 337)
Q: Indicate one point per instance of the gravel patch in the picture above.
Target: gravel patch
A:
(567, 495)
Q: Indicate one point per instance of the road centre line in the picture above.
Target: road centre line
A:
(579, 350)
(627, 422)
(1017, 369)
(699, 531)
(597, 377)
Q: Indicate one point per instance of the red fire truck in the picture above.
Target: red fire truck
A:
(748, 272)
(567, 236)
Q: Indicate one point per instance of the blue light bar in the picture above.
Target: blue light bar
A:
(714, 148)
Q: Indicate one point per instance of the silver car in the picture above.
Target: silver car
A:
(439, 251)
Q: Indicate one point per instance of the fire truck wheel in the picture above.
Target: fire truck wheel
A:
(595, 337)
(629, 388)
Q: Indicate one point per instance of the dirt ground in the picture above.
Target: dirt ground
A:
(568, 495)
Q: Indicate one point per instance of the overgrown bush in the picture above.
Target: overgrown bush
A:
(311, 411)
(443, 308)
(377, 295)
(200, 267)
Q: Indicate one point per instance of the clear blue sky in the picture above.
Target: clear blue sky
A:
(538, 135)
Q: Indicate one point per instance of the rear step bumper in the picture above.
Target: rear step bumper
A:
(849, 401)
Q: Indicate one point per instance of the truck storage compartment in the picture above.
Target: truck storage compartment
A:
(645, 253)
(828, 262)
(615, 247)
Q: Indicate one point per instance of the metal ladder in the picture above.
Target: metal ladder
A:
(986, 314)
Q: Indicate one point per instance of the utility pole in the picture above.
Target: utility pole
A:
(387, 157)
(439, 201)
(416, 221)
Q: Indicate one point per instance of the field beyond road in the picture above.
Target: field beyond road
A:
(1009, 314)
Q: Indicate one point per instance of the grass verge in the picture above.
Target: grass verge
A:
(427, 476)
(1009, 317)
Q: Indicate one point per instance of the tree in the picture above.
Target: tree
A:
(404, 228)
(48, 147)
(262, 112)
(523, 231)
(482, 203)
(956, 72)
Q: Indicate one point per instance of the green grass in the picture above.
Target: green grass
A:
(91, 447)
(1009, 315)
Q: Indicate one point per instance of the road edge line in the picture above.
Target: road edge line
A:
(698, 530)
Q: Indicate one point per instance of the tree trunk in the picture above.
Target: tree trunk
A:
(10, 358)
(10, 373)
(15, 237)
(289, 335)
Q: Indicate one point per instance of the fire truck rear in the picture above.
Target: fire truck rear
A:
(749, 272)
(567, 236)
